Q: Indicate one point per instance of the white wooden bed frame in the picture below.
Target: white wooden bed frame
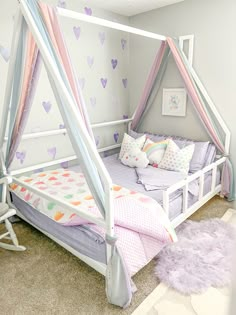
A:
(108, 222)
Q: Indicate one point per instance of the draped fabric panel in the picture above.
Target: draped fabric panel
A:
(118, 279)
(201, 106)
(156, 85)
(149, 84)
(50, 19)
(45, 26)
(30, 69)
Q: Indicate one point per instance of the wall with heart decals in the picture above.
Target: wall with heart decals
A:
(100, 57)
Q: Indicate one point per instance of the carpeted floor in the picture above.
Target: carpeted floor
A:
(46, 279)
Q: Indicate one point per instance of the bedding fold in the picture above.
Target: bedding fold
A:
(141, 225)
(159, 179)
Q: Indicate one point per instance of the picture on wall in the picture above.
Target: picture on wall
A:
(174, 102)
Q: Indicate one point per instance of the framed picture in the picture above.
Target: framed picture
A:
(174, 102)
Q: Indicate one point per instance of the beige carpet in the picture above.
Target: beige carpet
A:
(46, 279)
(166, 301)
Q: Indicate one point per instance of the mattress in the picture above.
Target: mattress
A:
(126, 176)
(86, 240)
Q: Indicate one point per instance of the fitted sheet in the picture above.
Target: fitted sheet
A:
(84, 239)
(127, 177)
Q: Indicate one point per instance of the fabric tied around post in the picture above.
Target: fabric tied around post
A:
(119, 286)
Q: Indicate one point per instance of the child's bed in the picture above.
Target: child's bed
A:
(90, 241)
(141, 218)
(141, 226)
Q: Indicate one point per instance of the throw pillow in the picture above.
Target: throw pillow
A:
(135, 158)
(155, 150)
(176, 159)
(129, 143)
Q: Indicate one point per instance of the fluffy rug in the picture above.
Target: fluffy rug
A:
(201, 258)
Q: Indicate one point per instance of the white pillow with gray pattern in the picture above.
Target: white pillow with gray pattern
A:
(176, 159)
(129, 143)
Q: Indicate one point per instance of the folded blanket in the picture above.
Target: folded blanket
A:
(159, 179)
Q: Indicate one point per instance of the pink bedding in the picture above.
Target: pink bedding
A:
(141, 225)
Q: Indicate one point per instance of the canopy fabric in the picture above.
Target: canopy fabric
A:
(27, 65)
(23, 87)
(27, 71)
(201, 106)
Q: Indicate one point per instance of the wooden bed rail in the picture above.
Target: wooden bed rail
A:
(184, 185)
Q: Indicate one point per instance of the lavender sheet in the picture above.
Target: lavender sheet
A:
(81, 238)
(126, 176)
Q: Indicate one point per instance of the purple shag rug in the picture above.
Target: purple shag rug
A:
(201, 258)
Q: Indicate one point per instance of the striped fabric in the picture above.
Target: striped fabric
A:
(155, 150)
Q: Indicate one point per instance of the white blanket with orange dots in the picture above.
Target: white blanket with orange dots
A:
(136, 215)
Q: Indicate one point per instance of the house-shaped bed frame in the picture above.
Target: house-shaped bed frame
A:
(85, 146)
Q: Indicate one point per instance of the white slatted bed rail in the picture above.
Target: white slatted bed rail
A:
(202, 199)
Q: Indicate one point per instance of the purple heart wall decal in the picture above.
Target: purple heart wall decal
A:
(88, 11)
(125, 82)
(65, 164)
(104, 82)
(123, 43)
(52, 152)
(62, 126)
(102, 37)
(82, 83)
(125, 116)
(47, 106)
(114, 63)
(5, 53)
(21, 156)
(90, 61)
(61, 4)
(93, 101)
(116, 136)
(77, 31)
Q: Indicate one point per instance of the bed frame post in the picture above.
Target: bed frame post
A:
(109, 218)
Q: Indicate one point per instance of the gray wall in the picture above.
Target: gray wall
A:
(214, 25)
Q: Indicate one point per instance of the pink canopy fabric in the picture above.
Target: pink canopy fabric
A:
(150, 81)
(56, 36)
(30, 77)
(197, 100)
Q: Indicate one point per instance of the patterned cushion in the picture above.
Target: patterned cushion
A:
(155, 150)
(176, 159)
(135, 158)
(129, 143)
(200, 153)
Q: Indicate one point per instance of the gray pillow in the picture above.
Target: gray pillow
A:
(210, 155)
(199, 156)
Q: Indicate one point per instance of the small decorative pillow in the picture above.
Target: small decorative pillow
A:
(129, 143)
(135, 158)
(155, 150)
(176, 159)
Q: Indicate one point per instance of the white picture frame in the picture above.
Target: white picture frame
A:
(174, 102)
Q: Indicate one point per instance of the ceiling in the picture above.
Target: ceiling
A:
(131, 7)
